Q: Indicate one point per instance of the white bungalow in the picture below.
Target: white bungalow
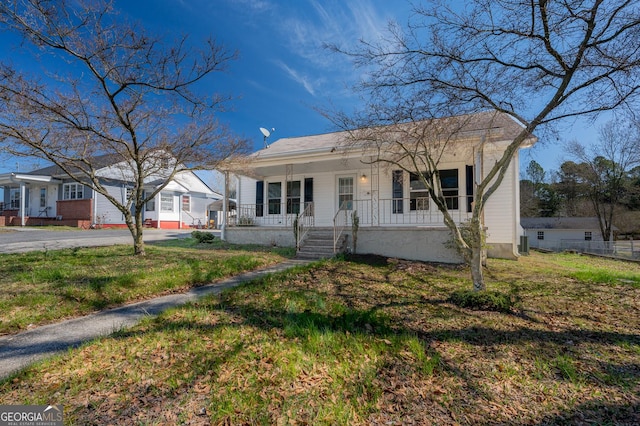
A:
(315, 182)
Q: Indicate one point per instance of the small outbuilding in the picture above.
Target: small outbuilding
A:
(562, 233)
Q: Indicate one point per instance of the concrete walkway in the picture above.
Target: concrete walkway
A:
(20, 350)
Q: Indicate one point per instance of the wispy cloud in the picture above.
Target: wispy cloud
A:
(344, 23)
(304, 30)
(296, 76)
(254, 5)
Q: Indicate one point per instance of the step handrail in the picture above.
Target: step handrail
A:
(303, 223)
(339, 225)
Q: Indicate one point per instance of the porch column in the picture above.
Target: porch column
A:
(225, 203)
(288, 178)
(375, 192)
(94, 220)
(157, 197)
(23, 203)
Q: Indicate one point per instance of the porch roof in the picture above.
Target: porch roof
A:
(309, 154)
(7, 179)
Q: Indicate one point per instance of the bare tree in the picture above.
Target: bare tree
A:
(537, 61)
(606, 169)
(116, 90)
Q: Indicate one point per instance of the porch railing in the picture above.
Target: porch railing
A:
(383, 212)
(408, 211)
(271, 214)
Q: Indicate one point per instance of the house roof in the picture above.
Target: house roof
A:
(560, 223)
(502, 125)
(98, 162)
(186, 181)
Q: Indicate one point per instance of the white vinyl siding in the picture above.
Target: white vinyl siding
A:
(502, 207)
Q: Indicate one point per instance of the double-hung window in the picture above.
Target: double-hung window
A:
(14, 198)
(72, 191)
(186, 203)
(450, 188)
(293, 197)
(418, 193)
(166, 202)
(150, 206)
(274, 197)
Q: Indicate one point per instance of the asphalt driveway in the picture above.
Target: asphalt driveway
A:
(18, 240)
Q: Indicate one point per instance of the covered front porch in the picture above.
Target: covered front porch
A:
(409, 228)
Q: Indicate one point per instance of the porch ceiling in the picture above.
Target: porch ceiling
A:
(309, 167)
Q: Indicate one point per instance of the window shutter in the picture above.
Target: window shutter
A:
(308, 190)
(469, 180)
(398, 191)
(260, 198)
(308, 196)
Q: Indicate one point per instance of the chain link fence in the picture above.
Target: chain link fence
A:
(628, 249)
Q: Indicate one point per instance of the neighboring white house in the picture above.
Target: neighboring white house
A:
(50, 196)
(562, 233)
(315, 180)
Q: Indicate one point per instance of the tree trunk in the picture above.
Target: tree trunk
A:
(138, 242)
(135, 225)
(477, 275)
(476, 262)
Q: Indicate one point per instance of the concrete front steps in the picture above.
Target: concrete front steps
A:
(318, 244)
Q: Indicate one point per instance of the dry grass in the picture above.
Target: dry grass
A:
(370, 341)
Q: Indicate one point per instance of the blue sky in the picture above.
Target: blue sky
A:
(283, 71)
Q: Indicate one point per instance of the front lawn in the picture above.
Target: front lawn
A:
(369, 341)
(47, 286)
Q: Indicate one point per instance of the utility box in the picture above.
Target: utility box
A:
(523, 248)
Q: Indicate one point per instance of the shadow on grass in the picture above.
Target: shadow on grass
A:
(370, 323)
(596, 413)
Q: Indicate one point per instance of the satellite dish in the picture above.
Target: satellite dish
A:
(266, 133)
